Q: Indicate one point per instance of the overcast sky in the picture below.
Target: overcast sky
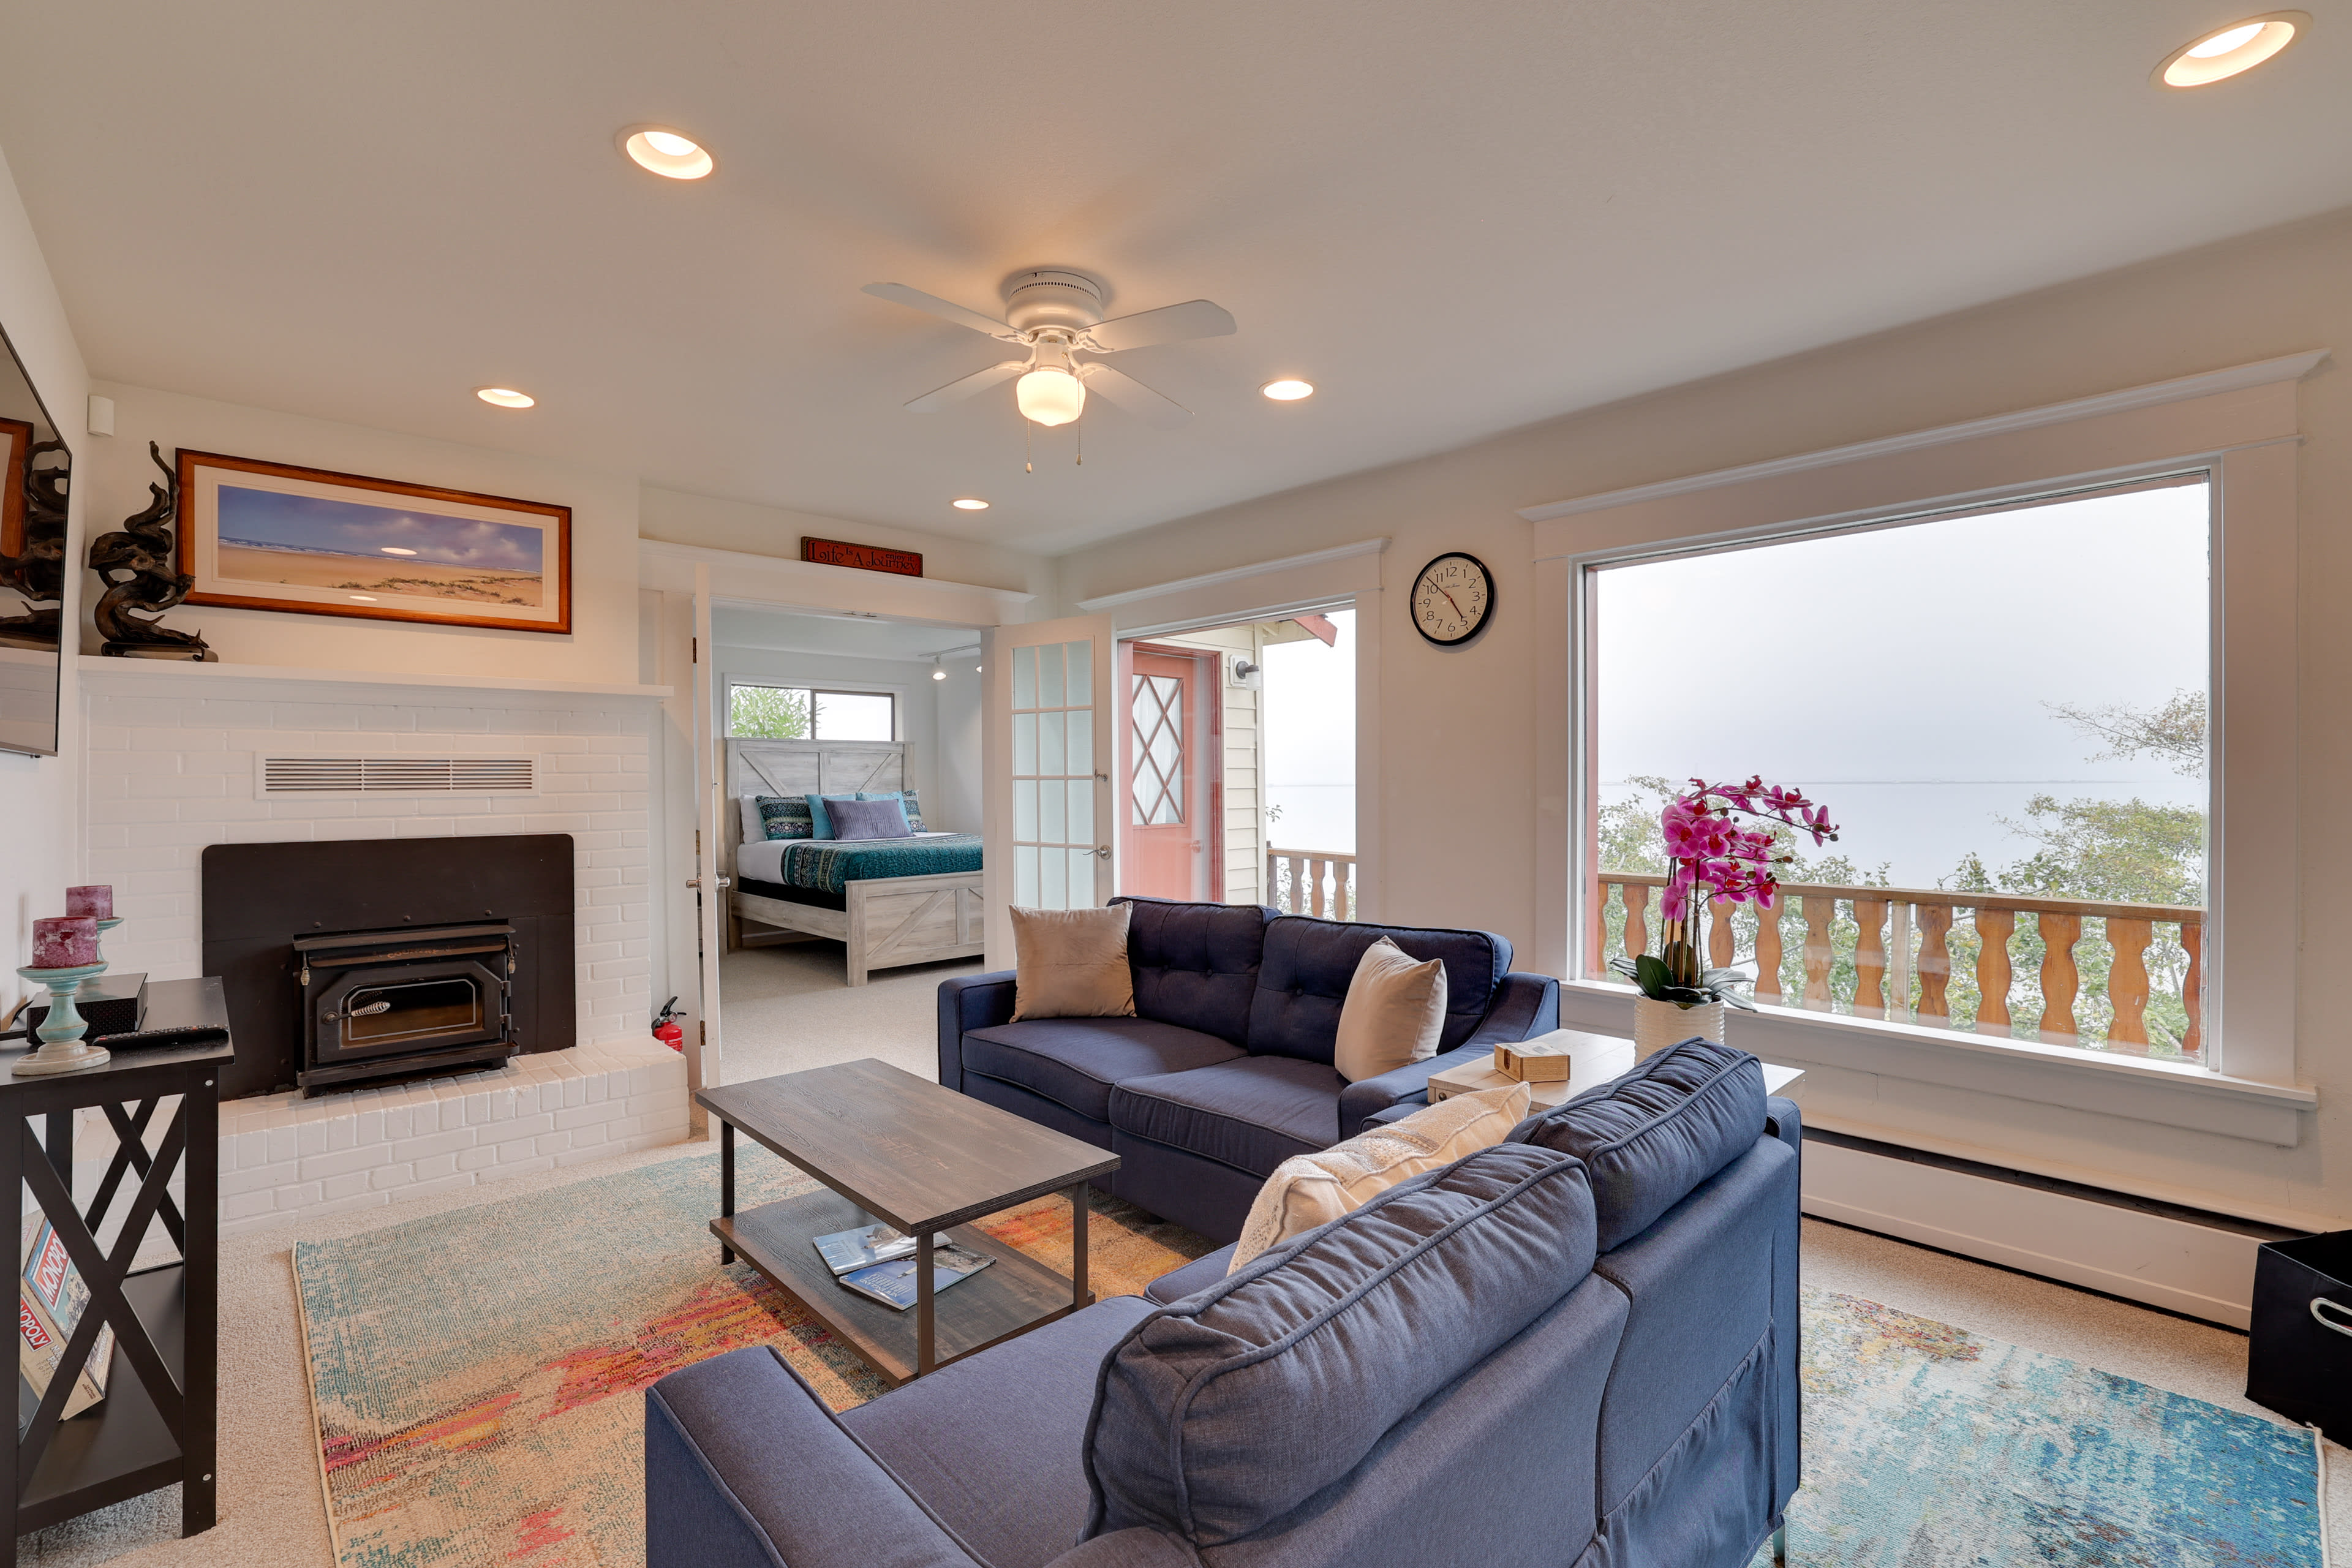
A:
(1916, 653)
(353, 527)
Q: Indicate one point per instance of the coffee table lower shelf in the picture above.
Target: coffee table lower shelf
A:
(1010, 1297)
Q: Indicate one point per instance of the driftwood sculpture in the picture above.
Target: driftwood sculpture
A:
(40, 573)
(136, 564)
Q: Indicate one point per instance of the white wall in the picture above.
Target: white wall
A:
(41, 855)
(676, 517)
(1456, 724)
(603, 643)
(958, 807)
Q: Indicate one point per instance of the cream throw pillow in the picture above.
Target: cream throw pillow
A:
(1071, 963)
(1394, 1012)
(1308, 1190)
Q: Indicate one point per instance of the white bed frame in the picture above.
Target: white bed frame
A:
(890, 921)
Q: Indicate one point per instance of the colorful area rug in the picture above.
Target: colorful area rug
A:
(476, 1374)
(1926, 1446)
(476, 1378)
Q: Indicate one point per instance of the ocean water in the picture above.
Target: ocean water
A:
(1921, 830)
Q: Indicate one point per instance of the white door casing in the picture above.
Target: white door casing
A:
(709, 776)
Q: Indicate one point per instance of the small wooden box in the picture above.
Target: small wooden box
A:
(1540, 1061)
(1476, 1075)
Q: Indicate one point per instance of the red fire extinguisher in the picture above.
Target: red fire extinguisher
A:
(668, 1029)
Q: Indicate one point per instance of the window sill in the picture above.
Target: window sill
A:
(2169, 1093)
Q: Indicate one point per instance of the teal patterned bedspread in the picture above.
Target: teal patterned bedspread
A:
(824, 865)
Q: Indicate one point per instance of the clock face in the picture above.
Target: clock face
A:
(1451, 599)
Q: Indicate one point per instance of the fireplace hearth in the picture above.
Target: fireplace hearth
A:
(347, 963)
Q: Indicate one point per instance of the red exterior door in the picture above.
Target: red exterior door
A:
(1163, 857)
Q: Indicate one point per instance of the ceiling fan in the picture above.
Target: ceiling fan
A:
(1056, 315)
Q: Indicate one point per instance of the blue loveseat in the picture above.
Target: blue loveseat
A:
(1577, 1348)
(1226, 1072)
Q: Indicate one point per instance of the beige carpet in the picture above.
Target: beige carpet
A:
(787, 1008)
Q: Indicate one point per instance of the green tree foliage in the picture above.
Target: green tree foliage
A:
(768, 712)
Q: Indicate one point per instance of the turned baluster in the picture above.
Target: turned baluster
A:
(1994, 928)
(1720, 934)
(2128, 980)
(1637, 918)
(1821, 909)
(1900, 969)
(2060, 982)
(1935, 963)
(1768, 953)
(1869, 958)
(2192, 987)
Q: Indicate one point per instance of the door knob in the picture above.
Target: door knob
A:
(1102, 852)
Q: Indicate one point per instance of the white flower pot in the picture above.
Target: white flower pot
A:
(1657, 1025)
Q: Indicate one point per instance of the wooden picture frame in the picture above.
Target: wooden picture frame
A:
(311, 542)
(15, 453)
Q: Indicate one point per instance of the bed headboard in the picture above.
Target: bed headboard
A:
(805, 767)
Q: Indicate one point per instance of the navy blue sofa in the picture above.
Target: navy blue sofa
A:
(1577, 1348)
(1226, 1070)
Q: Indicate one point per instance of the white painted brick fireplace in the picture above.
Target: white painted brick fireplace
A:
(171, 768)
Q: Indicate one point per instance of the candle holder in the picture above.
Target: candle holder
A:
(61, 1033)
(105, 923)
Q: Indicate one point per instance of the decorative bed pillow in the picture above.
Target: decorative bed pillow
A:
(906, 797)
(884, 818)
(1308, 1190)
(1393, 1014)
(820, 808)
(1071, 963)
(784, 816)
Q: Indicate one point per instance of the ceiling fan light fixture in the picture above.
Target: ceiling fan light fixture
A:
(2233, 51)
(1288, 389)
(658, 150)
(1050, 396)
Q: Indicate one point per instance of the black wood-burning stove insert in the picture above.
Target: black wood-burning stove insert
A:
(379, 1003)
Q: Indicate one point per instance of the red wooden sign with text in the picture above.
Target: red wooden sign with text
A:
(865, 557)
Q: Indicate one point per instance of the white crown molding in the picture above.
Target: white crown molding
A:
(187, 680)
(2263, 373)
(654, 553)
(1233, 574)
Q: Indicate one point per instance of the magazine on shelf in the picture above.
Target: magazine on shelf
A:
(51, 1298)
(845, 1251)
(893, 1284)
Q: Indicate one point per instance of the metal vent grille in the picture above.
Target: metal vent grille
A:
(399, 775)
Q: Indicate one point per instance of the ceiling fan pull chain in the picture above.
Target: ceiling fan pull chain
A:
(1028, 464)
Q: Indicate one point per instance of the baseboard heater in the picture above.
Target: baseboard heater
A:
(2187, 1261)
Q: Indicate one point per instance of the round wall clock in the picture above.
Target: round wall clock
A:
(1451, 599)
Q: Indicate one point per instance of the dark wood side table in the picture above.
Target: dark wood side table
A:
(159, 1421)
(900, 1149)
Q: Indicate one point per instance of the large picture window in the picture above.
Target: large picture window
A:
(2005, 712)
(810, 713)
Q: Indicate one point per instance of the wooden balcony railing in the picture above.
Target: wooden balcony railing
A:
(1311, 882)
(1952, 959)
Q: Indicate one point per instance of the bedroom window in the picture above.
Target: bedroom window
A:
(2004, 710)
(810, 713)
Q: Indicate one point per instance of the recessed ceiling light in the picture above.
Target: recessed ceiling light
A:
(661, 151)
(505, 397)
(2241, 47)
(938, 674)
(968, 503)
(395, 550)
(1289, 389)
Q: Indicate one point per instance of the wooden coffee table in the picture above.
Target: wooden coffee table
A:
(902, 1150)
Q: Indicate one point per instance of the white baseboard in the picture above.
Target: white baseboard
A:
(2201, 1270)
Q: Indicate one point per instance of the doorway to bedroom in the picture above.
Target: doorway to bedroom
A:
(850, 760)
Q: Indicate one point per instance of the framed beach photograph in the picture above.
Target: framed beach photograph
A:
(15, 449)
(268, 536)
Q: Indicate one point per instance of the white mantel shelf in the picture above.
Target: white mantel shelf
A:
(185, 676)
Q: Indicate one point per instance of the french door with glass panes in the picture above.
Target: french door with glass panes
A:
(1047, 758)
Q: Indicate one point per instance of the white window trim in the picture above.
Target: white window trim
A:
(729, 682)
(2239, 424)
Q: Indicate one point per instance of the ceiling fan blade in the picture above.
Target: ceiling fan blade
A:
(978, 380)
(1133, 396)
(946, 310)
(1168, 324)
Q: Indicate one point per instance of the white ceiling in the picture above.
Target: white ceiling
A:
(1455, 218)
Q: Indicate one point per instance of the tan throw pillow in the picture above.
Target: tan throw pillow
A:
(1308, 1190)
(1071, 963)
(1394, 1011)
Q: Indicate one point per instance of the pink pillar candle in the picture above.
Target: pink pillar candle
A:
(95, 901)
(64, 941)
